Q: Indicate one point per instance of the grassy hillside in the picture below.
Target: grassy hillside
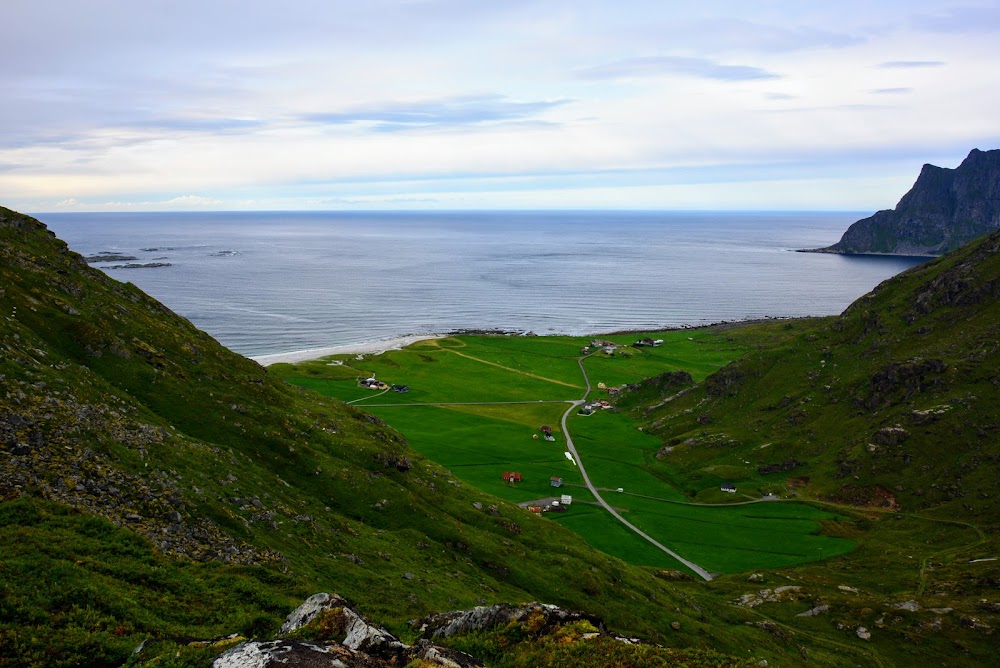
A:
(156, 485)
(889, 414)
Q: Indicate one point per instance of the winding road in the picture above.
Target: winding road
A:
(577, 460)
(597, 495)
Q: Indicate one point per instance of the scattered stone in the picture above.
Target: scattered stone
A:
(676, 626)
(941, 611)
(756, 577)
(818, 610)
(769, 596)
(407, 576)
(891, 435)
(460, 622)
(846, 588)
(863, 633)
(910, 605)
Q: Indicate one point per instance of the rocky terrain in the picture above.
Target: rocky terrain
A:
(945, 209)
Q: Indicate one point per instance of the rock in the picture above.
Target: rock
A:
(173, 516)
(287, 653)
(818, 610)
(846, 588)
(133, 517)
(910, 605)
(891, 435)
(770, 596)
(944, 209)
(459, 622)
(676, 626)
(756, 577)
(407, 576)
(306, 612)
(863, 633)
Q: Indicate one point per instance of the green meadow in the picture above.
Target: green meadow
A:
(475, 405)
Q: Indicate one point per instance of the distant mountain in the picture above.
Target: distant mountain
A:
(944, 209)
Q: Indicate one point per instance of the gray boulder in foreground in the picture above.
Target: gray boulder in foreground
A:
(363, 645)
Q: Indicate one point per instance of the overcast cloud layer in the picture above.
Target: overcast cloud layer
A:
(327, 104)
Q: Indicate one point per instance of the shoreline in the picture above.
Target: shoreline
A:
(382, 345)
(367, 348)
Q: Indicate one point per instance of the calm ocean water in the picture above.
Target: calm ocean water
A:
(276, 282)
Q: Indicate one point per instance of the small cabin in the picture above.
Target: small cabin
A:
(511, 476)
(565, 500)
(555, 482)
(728, 487)
(545, 429)
(535, 509)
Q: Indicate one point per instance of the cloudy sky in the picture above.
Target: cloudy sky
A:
(473, 104)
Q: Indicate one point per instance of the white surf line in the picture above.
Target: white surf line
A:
(593, 490)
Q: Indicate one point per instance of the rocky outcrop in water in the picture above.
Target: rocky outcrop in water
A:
(944, 209)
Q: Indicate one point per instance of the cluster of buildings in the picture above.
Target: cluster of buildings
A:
(559, 505)
(590, 409)
(375, 384)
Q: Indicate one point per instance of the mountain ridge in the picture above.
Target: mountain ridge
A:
(944, 209)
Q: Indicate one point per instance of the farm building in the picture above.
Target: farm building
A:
(565, 500)
(728, 487)
(511, 476)
(556, 482)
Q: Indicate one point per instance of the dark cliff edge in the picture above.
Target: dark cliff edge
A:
(944, 209)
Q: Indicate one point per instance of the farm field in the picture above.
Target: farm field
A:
(475, 405)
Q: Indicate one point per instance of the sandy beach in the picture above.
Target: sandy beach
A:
(369, 348)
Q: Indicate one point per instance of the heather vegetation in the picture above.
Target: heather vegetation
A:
(157, 490)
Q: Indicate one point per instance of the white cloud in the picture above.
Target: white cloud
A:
(218, 104)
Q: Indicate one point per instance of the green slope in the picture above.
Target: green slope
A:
(159, 486)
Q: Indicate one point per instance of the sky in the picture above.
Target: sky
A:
(118, 105)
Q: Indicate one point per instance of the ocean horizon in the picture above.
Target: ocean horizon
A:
(276, 282)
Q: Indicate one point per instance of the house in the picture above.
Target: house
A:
(644, 342)
(535, 509)
(585, 350)
(511, 476)
(657, 342)
(557, 509)
(602, 386)
(728, 487)
(613, 391)
(401, 388)
(587, 410)
(550, 437)
(545, 429)
(565, 499)
(555, 482)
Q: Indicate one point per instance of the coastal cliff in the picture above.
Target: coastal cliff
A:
(944, 209)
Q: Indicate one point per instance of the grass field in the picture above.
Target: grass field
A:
(490, 395)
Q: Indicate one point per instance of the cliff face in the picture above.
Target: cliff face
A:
(945, 209)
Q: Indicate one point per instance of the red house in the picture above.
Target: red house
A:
(511, 476)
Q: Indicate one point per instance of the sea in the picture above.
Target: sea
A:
(274, 282)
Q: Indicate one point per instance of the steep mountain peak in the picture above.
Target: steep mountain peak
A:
(944, 209)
